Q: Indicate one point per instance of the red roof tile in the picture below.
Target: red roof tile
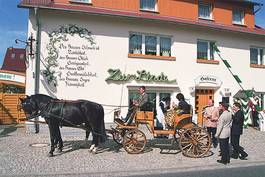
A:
(49, 4)
(15, 60)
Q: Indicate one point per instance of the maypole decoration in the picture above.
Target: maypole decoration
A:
(244, 101)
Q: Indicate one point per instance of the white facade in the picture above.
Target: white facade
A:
(111, 35)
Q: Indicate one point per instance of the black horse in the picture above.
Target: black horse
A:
(80, 113)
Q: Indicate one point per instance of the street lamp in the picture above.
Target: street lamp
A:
(29, 43)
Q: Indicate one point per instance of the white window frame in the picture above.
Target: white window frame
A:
(21, 56)
(260, 58)
(242, 15)
(151, 10)
(82, 1)
(157, 43)
(208, 49)
(210, 8)
(13, 56)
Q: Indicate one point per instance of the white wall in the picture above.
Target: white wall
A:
(111, 36)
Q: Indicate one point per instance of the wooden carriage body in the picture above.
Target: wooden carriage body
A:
(193, 141)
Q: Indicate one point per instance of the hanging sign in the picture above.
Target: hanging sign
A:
(207, 79)
(12, 76)
(141, 75)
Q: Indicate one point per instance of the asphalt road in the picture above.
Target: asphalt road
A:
(252, 171)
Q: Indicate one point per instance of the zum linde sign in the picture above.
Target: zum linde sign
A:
(142, 75)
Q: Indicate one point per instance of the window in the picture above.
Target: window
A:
(149, 5)
(165, 46)
(150, 45)
(153, 96)
(21, 56)
(205, 50)
(238, 17)
(135, 44)
(13, 55)
(257, 56)
(134, 95)
(205, 11)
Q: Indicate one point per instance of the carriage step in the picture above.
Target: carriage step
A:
(119, 121)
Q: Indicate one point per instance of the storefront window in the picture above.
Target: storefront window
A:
(153, 97)
(164, 95)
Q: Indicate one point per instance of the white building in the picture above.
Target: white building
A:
(104, 54)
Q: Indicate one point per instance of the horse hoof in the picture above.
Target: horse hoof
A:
(59, 150)
(50, 154)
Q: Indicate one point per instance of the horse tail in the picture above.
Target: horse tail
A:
(95, 119)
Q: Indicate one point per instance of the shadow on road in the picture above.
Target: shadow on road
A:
(6, 130)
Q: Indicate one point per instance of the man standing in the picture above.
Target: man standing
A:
(140, 103)
(236, 131)
(223, 133)
(211, 115)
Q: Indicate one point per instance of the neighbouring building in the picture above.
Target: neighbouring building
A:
(12, 73)
(12, 85)
(103, 50)
(15, 60)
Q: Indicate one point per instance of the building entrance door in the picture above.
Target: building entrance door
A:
(201, 100)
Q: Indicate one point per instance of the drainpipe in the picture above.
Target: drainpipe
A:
(37, 60)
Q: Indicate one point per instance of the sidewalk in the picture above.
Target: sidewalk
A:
(24, 153)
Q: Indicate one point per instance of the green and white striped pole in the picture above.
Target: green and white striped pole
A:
(244, 102)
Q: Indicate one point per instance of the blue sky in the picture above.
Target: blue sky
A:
(14, 21)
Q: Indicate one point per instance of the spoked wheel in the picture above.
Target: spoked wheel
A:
(194, 142)
(118, 135)
(134, 141)
(177, 134)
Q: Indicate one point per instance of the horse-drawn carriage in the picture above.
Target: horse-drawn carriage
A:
(193, 140)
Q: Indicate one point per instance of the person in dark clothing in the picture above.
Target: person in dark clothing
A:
(141, 102)
(183, 105)
(236, 131)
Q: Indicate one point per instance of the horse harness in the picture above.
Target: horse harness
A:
(46, 112)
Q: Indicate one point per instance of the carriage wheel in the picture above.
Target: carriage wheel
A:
(178, 132)
(194, 142)
(134, 141)
(118, 136)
